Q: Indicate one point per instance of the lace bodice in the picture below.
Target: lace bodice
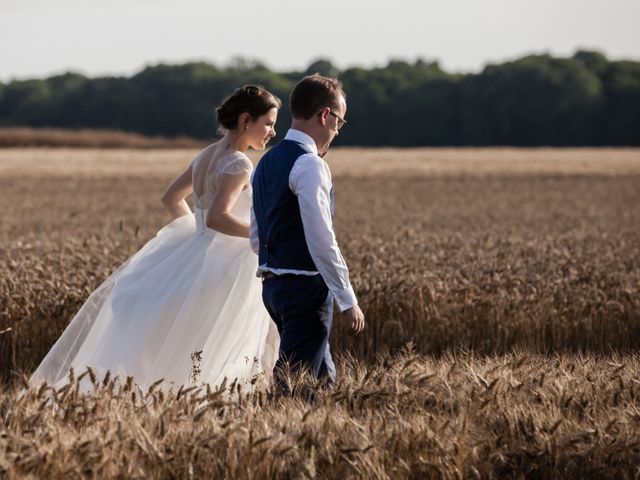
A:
(209, 168)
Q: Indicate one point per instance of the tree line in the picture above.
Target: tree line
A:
(582, 100)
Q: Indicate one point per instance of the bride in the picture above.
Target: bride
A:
(187, 307)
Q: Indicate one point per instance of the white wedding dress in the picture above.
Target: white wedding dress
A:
(189, 289)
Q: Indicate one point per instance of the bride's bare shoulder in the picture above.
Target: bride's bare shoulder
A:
(205, 157)
(232, 156)
(210, 150)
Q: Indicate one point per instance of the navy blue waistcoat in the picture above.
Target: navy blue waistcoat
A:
(280, 230)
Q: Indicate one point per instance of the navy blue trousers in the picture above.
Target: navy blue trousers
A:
(302, 308)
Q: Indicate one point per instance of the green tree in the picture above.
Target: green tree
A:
(535, 100)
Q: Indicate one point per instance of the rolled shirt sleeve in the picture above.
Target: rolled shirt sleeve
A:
(310, 180)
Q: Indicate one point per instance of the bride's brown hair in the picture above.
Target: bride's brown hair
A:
(252, 99)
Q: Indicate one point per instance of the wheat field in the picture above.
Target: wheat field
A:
(501, 289)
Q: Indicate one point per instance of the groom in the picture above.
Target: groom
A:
(301, 266)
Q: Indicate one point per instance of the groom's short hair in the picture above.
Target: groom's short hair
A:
(313, 93)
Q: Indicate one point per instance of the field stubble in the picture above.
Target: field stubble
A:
(457, 250)
(403, 416)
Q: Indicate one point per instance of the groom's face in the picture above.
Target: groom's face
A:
(334, 122)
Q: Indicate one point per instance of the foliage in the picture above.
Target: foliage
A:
(536, 100)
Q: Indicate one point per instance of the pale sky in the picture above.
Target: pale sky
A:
(97, 37)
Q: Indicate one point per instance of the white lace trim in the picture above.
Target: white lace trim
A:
(231, 164)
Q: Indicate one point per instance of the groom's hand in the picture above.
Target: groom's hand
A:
(356, 318)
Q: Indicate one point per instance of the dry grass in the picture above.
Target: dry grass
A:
(407, 416)
(354, 162)
(438, 162)
(492, 251)
(20, 137)
(547, 262)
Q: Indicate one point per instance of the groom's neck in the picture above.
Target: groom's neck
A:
(308, 127)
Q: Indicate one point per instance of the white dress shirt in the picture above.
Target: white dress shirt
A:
(310, 181)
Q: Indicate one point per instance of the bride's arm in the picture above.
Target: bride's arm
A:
(173, 197)
(219, 216)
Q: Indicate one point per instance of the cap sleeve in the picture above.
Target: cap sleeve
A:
(234, 165)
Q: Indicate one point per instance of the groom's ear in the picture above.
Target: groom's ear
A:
(323, 114)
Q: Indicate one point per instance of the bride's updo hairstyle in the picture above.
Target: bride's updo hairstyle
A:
(252, 99)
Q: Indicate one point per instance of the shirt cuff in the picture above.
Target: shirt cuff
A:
(345, 299)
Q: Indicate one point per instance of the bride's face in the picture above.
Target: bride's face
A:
(262, 129)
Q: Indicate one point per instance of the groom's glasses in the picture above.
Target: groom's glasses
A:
(341, 121)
